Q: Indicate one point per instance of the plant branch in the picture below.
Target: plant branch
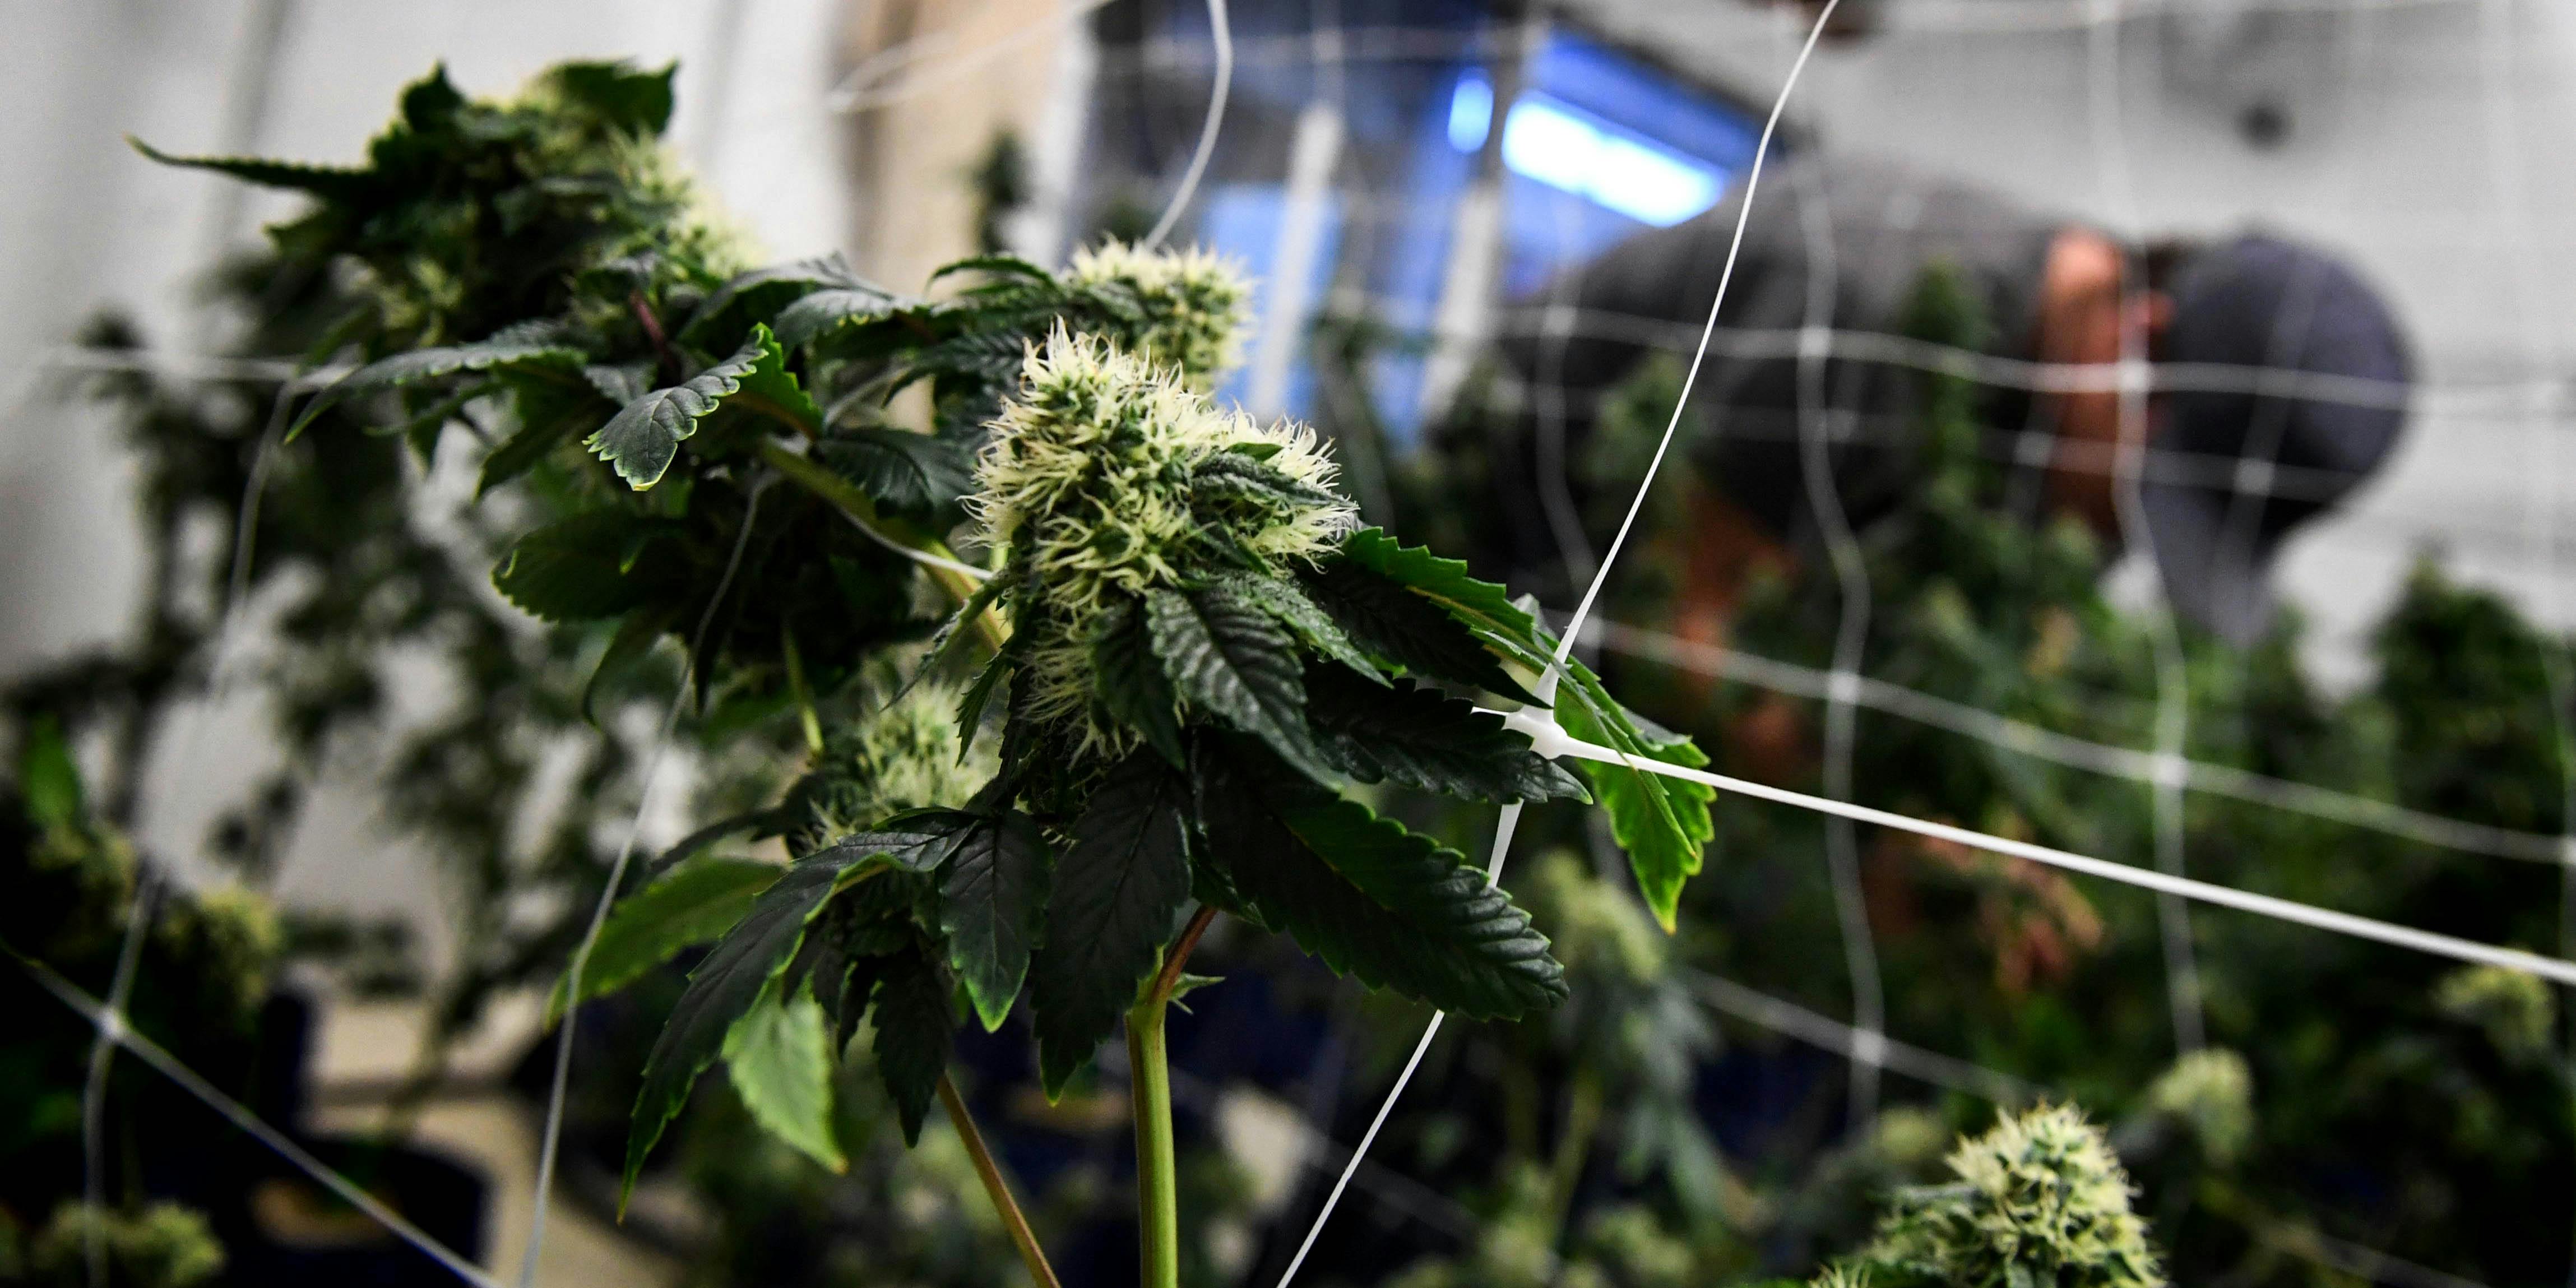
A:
(1169, 977)
(998, 1189)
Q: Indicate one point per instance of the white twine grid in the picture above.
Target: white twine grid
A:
(2074, 15)
(1511, 813)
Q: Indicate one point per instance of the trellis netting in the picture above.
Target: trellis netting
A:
(1412, 182)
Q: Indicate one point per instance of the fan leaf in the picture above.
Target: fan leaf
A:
(1117, 891)
(990, 901)
(1364, 894)
(1422, 738)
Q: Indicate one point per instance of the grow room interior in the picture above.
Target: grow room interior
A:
(1611, 643)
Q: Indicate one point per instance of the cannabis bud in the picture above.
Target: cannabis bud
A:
(1107, 477)
(899, 758)
(1193, 307)
(2040, 1200)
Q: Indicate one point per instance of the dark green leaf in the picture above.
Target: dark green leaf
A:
(723, 987)
(918, 476)
(990, 903)
(49, 778)
(999, 265)
(949, 641)
(757, 296)
(1663, 823)
(914, 1020)
(551, 411)
(1368, 897)
(1445, 581)
(495, 354)
(1423, 738)
(1282, 599)
(779, 1056)
(638, 102)
(647, 928)
(330, 183)
(645, 435)
(583, 567)
(1228, 658)
(1394, 624)
(822, 312)
(915, 840)
(1117, 891)
(1131, 683)
(633, 641)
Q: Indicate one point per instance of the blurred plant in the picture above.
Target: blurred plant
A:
(164, 1245)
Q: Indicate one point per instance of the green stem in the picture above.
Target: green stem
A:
(1158, 1194)
(1149, 1086)
(809, 474)
(999, 1190)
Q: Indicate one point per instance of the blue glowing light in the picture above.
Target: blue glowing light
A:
(1471, 112)
(1569, 149)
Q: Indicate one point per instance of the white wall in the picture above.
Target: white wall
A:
(2400, 115)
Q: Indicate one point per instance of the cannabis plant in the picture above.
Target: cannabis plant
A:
(1192, 652)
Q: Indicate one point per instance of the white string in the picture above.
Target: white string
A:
(1851, 631)
(1549, 740)
(1734, 247)
(169, 1066)
(551, 1138)
(2027, 739)
(1224, 39)
(2173, 694)
(1511, 813)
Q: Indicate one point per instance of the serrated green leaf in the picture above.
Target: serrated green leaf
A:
(1422, 738)
(991, 899)
(825, 311)
(915, 841)
(917, 476)
(724, 986)
(1229, 659)
(999, 264)
(644, 437)
(633, 642)
(496, 354)
(761, 294)
(949, 641)
(1291, 607)
(1130, 681)
(581, 568)
(338, 184)
(914, 1020)
(1396, 625)
(1117, 891)
(779, 1056)
(1365, 895)
(694, 904)
(1236, 477)
(1663, 823)
(1441, 579)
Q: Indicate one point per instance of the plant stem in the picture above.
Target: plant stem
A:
(810, 475)
(1149, 1085)
(999, 1190)
(1158, 1197)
